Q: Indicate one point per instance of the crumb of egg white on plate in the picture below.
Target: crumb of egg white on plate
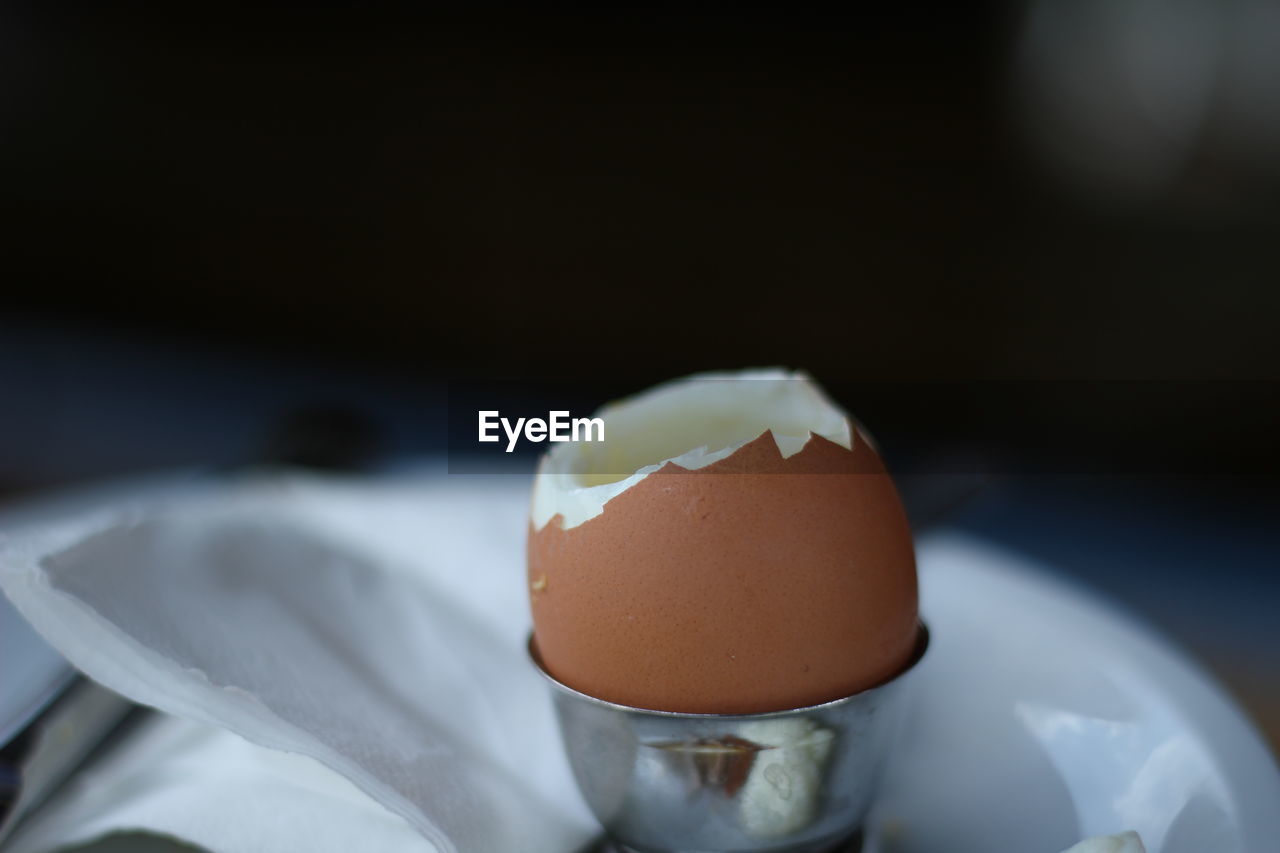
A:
(1124, 842)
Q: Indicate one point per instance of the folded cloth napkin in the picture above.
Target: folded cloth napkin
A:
(176, 779)
(378, 631)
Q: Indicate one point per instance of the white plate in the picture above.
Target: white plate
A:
(1043, 715)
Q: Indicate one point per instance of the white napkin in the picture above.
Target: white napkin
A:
(177, 779)
(378, 629)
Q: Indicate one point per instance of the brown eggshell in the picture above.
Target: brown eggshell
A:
(754, 584)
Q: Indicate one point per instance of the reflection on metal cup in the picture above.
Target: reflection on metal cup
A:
(793, 781)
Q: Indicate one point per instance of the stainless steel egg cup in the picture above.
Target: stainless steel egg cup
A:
(794, 781)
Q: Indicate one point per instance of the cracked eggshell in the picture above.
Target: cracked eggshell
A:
(756, 582)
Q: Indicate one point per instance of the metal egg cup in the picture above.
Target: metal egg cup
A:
(794, 781)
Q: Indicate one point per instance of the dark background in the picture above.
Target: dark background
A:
(1030, 244)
